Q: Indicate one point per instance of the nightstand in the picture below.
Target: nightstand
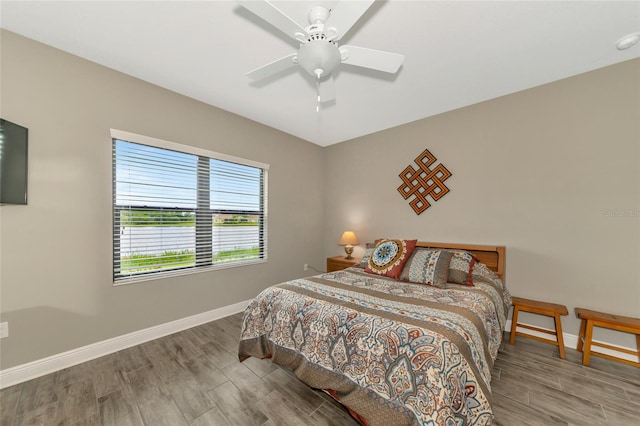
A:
(338, 263)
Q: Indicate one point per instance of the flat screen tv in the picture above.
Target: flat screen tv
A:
(14, 157)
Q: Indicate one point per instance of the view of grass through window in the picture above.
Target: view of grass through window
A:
(162, 220)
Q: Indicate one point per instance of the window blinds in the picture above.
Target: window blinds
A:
(180, 209)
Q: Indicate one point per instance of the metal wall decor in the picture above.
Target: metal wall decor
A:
(424, 181)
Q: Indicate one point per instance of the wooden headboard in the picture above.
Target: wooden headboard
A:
(492, 256)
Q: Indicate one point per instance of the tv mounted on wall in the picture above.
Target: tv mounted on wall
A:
(14, 157)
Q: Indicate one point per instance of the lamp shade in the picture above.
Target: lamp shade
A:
(348, 238)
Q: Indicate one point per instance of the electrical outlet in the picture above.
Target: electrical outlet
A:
(306, 266)
(4, 330)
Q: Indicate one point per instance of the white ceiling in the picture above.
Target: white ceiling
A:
(456, 53)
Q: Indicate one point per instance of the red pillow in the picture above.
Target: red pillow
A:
(389, 257)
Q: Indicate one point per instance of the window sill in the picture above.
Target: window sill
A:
(180, 272)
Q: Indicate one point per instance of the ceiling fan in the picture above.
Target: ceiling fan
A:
(319, 53)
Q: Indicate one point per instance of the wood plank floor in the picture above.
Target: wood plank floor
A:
(194, 378)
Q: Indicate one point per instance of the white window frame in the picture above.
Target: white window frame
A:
(173, 146)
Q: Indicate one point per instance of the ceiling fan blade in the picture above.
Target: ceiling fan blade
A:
(371, 58)
(345, 14)
(273, 67)
(326, 89)
(270, 13)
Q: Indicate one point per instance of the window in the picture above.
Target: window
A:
(179, 209)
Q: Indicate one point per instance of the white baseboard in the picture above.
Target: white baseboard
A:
(22, 373)
(571, 341)
(31, 370)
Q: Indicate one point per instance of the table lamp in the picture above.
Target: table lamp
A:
(348, 240)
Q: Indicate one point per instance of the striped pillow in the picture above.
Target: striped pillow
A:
(427, 266)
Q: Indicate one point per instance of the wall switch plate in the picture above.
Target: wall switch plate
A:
(306, 266)
(4, 330)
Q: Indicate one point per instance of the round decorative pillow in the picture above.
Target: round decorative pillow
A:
(389, 257)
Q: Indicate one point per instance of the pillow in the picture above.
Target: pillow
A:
(389, 257)
(427, 266)
(461, 267)
(365, 257)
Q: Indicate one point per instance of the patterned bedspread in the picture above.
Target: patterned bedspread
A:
(395, 353)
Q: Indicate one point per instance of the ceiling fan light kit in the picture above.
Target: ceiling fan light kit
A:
(319, 57)
(319, 53)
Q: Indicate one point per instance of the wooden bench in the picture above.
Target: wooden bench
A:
(592, 319)
(540, 308)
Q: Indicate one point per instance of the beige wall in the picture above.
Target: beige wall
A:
(55, 279)
(535, 171)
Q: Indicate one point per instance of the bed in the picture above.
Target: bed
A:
(393, 352)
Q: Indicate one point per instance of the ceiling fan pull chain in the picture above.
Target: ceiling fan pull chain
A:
(318, 72)
(318, 91)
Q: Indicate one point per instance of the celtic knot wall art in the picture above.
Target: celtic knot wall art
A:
(423, 181)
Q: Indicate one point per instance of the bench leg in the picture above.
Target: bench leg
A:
(587, 343)
(583, 324)
(514, 324)
(559, 336)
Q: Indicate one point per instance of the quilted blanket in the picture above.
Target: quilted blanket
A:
(392, 352)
